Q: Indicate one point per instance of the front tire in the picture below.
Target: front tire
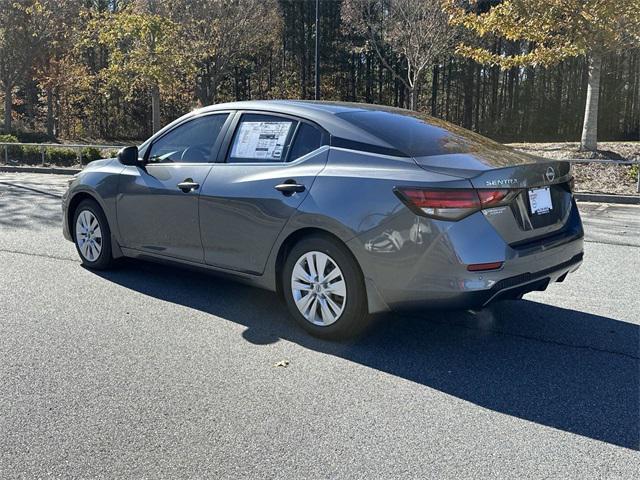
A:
(324, 289)
(92, 236)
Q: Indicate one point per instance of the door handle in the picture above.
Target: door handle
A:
(188, 185)
(289, 187)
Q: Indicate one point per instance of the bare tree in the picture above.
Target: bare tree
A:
(18, 40)
(222, 34)
(58, 22)
(416, 31)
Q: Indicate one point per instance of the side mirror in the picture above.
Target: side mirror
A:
(129, 156)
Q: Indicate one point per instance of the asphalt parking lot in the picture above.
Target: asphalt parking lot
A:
(152, 372)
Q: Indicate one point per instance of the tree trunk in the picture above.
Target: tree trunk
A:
(590, 126)
(380, 83)
(467, 102)
(155, 108)
(434, 90)
(8, 105)
(556, 119)
(413, 97)
(50, 121)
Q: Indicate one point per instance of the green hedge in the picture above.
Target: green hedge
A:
(64, 157)
(89, 154)
(30, 155)
(61, 156)
(13, 152)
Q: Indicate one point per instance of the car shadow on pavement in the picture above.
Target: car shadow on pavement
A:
(561, 368)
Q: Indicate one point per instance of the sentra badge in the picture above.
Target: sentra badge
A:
(501, 182)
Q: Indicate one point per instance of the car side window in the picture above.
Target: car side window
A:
(261, 138)
(308, 138)
(190, 142)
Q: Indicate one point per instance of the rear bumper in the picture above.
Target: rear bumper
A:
(504, 289)
(423, 264)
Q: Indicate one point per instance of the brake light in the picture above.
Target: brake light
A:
(452, 204)
(443, 198)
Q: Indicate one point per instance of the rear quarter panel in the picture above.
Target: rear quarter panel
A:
(353, 198)
(355, 192)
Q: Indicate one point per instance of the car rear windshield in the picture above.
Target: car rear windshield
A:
(419, 135)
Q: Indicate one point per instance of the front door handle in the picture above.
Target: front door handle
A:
(289, 187)
(188, 185)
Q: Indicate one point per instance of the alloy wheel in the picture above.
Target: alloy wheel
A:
(319, 289)
(88, 235)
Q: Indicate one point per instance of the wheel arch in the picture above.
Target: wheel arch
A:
(292, 239)
(74, 201)
(73, 205)
(375, 301)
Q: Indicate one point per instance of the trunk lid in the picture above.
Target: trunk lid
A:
(499, 169)
(544, 199)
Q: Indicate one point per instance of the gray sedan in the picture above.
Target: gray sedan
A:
(343, 209)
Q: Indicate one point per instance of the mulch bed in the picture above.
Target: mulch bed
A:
(594, 177)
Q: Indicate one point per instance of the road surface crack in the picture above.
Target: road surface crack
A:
(42, 255)
(563, 344)
(536, 339)
(54, 195)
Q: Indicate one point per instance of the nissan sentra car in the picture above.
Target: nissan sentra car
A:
(343, 209)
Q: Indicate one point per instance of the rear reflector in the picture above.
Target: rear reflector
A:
(479, 267)
(452, 204)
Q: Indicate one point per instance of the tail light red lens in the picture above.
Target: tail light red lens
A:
(452, 204)
(443, 198)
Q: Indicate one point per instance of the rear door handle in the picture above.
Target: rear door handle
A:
(289, 187)
(188, 185)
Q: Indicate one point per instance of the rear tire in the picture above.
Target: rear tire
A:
(324, 288)
(92, 236)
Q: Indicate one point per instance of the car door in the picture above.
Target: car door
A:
(270, 164)
(157, 205)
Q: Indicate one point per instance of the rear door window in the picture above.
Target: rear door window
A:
(261, 138)
(308, 138)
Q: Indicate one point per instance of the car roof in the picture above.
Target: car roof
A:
(307, 107)
(372, 134)
(322, 113)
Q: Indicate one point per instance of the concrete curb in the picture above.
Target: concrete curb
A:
(606, 198)
(53, 170)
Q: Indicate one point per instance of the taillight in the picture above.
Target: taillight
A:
(452, 204)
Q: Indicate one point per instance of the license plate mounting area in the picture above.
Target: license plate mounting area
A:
(540, 201)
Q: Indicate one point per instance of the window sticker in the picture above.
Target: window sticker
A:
(261, 140)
